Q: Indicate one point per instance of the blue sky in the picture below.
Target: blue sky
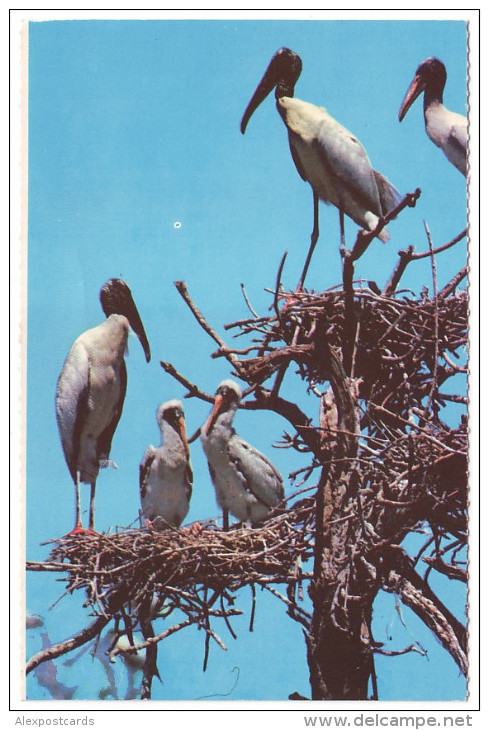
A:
(137, 169)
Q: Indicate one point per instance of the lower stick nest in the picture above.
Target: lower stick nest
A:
(135, 564)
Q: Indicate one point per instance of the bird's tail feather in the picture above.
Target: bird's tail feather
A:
(388, 195)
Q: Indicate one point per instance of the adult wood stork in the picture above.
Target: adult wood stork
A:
(325, 154)
(165, 474)
(91, 390)
(446, 129)
(246, 482)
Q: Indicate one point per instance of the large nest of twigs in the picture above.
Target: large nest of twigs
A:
(396, 341)
(131, 565)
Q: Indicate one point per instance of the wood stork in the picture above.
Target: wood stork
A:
(165, 474)
(446, 129)
(246, 482)
(325, 154)
(91, 390)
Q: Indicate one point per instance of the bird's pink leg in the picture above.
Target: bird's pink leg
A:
(77, 503)
(342, 234)
(78, 529)
(92, 508)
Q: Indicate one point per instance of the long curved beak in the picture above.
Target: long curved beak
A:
(214, 414)
(136, 324)
(268, 82)
(417, 86)
(183, 435)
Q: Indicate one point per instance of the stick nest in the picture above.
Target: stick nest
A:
(135, 564)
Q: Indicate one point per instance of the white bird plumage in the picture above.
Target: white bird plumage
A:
(246, 483)
(326, 154)
(91, 390)
(336, 165)
(165, 474)
(446, 129)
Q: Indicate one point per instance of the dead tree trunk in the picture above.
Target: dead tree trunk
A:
(338, 643)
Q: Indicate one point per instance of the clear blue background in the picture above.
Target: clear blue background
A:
(133, 127)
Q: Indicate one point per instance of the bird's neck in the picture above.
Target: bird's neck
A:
(433, 97)
(170, 439)
(117, 322)
(116, 329)
(284, 88)
(223, 427)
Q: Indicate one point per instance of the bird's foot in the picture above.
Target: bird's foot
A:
(105, 463)
(194, 529)
(292, 298)
(79, 530)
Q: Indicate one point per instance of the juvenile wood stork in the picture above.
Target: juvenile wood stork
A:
(91, 390)
(246, 482)
(446, 129)
(325, 154)
(165, 474)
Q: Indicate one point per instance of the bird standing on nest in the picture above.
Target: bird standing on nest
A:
(325, 154)
(91, 390)
(165, 474)
(246, 482)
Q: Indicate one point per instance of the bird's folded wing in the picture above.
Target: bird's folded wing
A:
(259, 475)
(297, 161)
(343, 155)
(455, 147)
(104, 441)
(72, 393)
(189, 480)
(457, 138)
(144, 469)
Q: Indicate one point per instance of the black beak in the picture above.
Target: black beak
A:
(269, 81)
(137, 326)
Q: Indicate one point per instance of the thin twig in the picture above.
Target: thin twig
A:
(434, 381)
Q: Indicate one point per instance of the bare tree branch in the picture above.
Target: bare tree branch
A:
(79, 639)
(400, 577)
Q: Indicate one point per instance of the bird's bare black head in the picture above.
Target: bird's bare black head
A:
(116, 298)
(282, 73)
(430, 77)
(113, 293)
(433, 72)
(287, 68)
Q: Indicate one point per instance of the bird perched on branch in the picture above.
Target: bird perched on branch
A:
(165, 474)
(325, 154)
(91, 390)
(446, 129)
(246, 482)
